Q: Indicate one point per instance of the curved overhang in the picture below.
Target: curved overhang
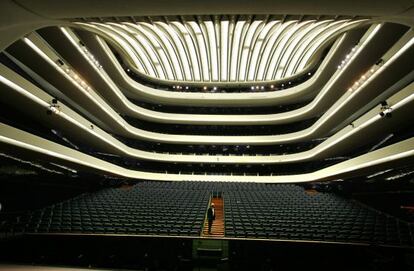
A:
(37, 101)
(363, 89)
(139, 91)
(354, 115)
(17, 140)
(221, 51)
(24, 16)
(369, 46)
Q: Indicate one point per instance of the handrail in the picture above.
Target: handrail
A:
(205, 215)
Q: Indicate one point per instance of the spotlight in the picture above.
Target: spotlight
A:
(384, 103)
(54, 101)
(386, 112)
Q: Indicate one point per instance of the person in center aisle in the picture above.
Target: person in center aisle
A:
(211, 215)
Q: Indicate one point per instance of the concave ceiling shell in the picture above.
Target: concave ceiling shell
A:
(221, 50)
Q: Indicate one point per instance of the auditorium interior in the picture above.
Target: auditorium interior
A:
(122, 122)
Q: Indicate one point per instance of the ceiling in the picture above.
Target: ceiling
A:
(82, 70)
(217, 50)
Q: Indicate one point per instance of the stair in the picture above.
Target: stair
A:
(217, 229)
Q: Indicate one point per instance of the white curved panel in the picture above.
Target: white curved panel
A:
(227, 50)
(125, 129)
(224, 48)
(294, 61)
(188, 42)
(159, 116)
(270, 46)
(177, 43)
(170, 51)
(247, 47)
(259, 47)
(34, 144)
(402, 99)
(156, 47)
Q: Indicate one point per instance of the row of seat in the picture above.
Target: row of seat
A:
(141, 209)
(297, 215)
(155, 208)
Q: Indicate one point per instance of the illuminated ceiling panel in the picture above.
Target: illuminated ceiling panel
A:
(221, 50)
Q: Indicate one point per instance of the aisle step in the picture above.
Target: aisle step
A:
(217, 229)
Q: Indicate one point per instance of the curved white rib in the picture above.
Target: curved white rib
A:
(198, 38)
(191, 52)
(129, 108)
(123, 128)
(163, 47)
(23, 140)
(259, 46)
(403, 99)
(294, 115)
(136, 90)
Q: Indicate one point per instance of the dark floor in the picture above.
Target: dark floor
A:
(152, 253)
